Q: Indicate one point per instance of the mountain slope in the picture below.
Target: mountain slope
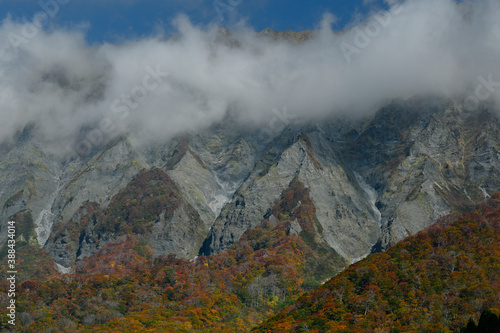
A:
(434, 281)
(373, 180)
(124, 287)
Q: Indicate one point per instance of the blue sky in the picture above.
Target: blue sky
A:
(115, 21)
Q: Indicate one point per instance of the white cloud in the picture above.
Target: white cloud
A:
(60, 84)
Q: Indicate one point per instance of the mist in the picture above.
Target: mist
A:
(159, 87)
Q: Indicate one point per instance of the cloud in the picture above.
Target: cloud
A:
(156, 88)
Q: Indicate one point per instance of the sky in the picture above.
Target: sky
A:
(81, 83)
(118, 20)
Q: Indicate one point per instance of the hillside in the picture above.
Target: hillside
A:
(439, 280)
(435, 281)
(123, 287)
(259, 222)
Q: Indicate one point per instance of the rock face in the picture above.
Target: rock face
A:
(373, 181)
(335, 193)
(426, 159)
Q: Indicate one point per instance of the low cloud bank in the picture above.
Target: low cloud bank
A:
(155, 88)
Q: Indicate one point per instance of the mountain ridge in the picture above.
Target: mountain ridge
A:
(373, 180)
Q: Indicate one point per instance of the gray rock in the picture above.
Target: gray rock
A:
(372, 180)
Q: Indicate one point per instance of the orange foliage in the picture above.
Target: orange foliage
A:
(124, 287)
(431, 282)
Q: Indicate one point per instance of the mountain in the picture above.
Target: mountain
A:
(124, 286)
(221, 228)
(207, 179)
(439, 280)
(373, 181)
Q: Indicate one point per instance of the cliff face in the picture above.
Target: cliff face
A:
(372, 181)
(425, 160)
(338, 198)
